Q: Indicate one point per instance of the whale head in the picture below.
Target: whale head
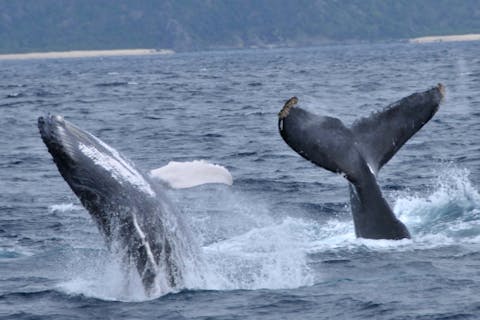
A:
(97, 173)
(129, 210)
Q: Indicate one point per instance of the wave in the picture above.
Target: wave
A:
(9, 254)
(64, 207)
(15, 95)
(112, 84)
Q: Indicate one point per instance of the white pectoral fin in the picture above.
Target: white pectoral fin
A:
(181, 175)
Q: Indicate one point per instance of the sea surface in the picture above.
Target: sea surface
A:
(279, 243)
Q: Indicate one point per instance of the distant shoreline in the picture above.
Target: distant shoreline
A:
(84, 54)
(145, 52)
(452, 38)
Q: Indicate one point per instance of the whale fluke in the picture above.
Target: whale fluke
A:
(360, 152)
(383, 133)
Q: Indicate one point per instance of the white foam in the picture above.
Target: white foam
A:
(119, 168)
(105, 279)
(64, 207)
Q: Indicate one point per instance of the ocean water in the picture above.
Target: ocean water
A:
(279, 243)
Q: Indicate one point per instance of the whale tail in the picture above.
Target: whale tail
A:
(323, 140)
(328, 143)
(383, 133)
(360, 152)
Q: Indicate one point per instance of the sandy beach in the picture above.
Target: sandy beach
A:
(83, 54)
(452, 38)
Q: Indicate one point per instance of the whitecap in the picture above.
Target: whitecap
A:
(64, 207)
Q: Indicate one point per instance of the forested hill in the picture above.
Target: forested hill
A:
(59, 25)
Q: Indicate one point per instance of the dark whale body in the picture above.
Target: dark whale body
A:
(360, 152)
(129, 210)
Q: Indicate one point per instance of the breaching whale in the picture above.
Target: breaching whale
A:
(359, 152)
(130, 209)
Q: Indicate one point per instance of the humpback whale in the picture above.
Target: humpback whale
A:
(130, 209)
(359, 152)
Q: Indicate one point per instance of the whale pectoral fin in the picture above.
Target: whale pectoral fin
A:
(383, 133)
(322, 140)
(179, 175)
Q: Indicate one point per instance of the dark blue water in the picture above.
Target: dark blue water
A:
(279, 243)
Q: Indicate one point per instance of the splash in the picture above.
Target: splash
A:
(445, 214)
(246, 250)
(244, 245)
(271, 257)
(102, 275)
(451, 211)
